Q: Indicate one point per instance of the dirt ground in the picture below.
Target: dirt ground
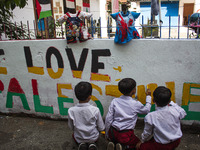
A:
(31, 133)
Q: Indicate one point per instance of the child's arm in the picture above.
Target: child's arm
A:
(148, 129)
(179, 109)
(109, 118)
(62, 19)
(146, 109)
(100, 123)
(70, 121)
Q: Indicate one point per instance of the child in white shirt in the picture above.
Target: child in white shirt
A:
(84, 119)
(163, 124)
(122, 116)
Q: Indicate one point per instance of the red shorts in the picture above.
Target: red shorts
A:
(153, 145)
(125, 137)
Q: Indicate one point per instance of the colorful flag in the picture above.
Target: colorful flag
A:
(69, 6)
(43, 8)
(86, 5)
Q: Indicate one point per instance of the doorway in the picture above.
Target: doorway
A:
(188, 10)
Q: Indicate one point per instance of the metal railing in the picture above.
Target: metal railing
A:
(54, 31)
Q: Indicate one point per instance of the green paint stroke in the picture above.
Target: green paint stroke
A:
(191, 115)
(39, 107)
(61, 100)
(9, 102)
(153, 107)
(99, 105)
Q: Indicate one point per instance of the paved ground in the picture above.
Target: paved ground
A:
(30, 133)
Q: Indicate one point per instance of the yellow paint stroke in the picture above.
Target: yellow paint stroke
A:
(112, 90)
(36, 70)
(171, 86)
(93, 98)
(141, 95)
(63, 86)
(3, 70)
(100, 77)
(186, 93)
(119, 68)
(55, 75)
(117, 79)
(152, 87)
(77, 74)
(97, 88)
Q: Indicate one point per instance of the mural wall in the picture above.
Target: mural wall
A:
(38, 77)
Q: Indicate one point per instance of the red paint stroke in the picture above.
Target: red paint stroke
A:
(1, 86)
(35, 87)
(14, 86)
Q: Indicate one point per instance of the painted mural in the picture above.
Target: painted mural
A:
(49, 91)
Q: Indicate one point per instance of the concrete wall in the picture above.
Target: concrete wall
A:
(38, 77)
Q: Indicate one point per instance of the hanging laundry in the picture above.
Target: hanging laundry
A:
(154, 7)
(75, 27)
(125, 30)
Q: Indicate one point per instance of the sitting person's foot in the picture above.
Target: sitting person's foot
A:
(110, 146)
(82, 146)
(118, 146)
(92, 146)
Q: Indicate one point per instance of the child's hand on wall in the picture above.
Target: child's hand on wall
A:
(148, 92)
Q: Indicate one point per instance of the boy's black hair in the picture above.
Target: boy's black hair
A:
(83, 90)
(126, 85)
(162, 96)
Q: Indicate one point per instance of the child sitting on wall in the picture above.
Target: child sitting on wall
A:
(84, 119)
(122, 116)
(163, 124)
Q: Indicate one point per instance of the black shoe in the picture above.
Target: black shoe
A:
(92, 146)
(82, 146)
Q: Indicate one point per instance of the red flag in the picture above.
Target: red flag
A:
(38, 8)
